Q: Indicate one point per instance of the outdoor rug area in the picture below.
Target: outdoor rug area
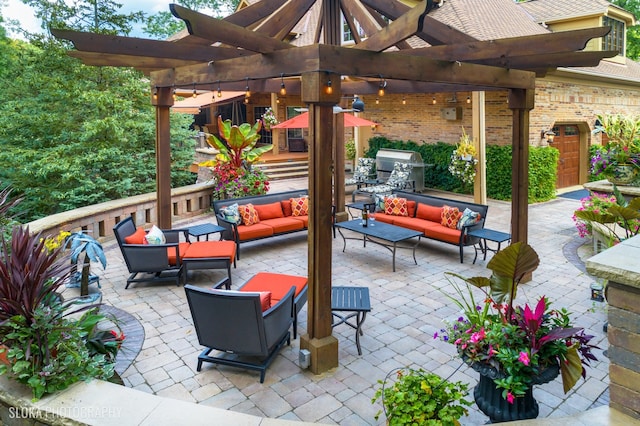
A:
(575, 195)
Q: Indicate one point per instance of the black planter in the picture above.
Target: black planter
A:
(489, 398)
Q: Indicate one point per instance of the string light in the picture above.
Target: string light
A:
(433, 101)
(404, 101)
(174, 94)
(277, 100)
(328, 89)
(283, 89)
(468, 99)
(247, 92)
(155, 93)
(377, 101)
(381, 87)
(219, 91)
(194, 90)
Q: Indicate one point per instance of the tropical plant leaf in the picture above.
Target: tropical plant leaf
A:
(515, 261)
(626, 213)
(595, 217)
(571, 369)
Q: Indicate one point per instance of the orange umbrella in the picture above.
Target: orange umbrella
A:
(302, 122)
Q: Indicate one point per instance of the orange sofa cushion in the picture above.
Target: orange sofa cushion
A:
(286, 207)
(277, 284)
(443, 233)
(283, 224)
(382, 217)
(137, 237)
(258, 230)
(303, 219)
(269, 211)
(210, 249)
(427, 212)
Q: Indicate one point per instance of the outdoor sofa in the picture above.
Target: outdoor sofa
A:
(270, 215)
(433, 216)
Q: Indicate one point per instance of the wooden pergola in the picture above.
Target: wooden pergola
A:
(247, 48)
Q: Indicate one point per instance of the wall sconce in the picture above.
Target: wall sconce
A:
(283, 89)
(547, 135)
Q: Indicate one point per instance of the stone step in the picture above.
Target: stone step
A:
(284, 169)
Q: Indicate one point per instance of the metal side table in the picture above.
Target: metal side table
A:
(354, 300)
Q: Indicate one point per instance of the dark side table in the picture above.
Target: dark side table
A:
(354, 300)
(485, 235)
(204, 230)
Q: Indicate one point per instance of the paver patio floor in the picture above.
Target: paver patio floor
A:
(407, 309)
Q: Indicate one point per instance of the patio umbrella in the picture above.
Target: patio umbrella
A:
(302, 122)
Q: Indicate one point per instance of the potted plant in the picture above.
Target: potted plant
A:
(80, 243)
(513, 347)
(463, 160)
(237, 151)
(417, 397)
(269, 119)
(619, 159)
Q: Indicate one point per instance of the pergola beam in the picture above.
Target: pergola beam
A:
(280, 23)
(345, 61)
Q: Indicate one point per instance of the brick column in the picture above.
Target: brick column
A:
(621, 266)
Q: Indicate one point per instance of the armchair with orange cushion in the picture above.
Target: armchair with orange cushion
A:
(167, 255)
(262, 216)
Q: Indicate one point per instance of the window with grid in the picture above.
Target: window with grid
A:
(615, 39)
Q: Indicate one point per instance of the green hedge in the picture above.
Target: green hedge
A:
(542, 168)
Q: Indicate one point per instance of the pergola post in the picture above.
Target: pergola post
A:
(318, 340)
(163, 100)
(521, 101)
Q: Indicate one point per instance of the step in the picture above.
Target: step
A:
(285, 169)
(282, 164)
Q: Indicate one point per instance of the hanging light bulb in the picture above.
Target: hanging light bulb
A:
(219, 90)
(283, 89)
(174, 94)
(194, 90)
(247, 92)
(404, 101)
(381, 87)
(328, 89)
(277, 100)
(155, 93)
(377, 101)
(433, 101)
(468, 99)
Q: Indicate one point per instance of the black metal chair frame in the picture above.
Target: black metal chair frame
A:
(233, 323)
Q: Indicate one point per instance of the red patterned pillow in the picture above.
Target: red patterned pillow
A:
(248, 214)
(450, 216)
(299, 206)
(396, 206)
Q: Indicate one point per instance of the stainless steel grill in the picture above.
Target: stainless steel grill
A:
(385, 158)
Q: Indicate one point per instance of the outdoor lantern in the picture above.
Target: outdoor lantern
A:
(357, 104)
(597, 292)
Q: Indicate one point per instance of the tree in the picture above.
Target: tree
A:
(163, 24)
(633, 33)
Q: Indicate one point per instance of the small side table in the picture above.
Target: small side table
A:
(204, 230)
(354, 300)
(488, 235)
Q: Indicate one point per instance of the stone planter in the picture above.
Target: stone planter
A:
(623, 174)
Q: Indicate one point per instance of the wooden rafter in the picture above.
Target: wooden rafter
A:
(218, 30)
(352, 13)
(380, 20)
(280, 23)
(141, 63)
(399, 30)
(434, 32)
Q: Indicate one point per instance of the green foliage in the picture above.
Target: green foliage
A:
(238, 143)
(420, 398)
(633, 33)
(350, 149)
(72, 135)
(542, 168)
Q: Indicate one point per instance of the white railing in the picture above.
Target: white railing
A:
(99, 219)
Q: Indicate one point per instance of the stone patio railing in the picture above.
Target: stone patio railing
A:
(99, 219)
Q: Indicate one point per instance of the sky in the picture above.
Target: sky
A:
(15, 9)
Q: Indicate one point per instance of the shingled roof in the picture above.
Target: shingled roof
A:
(556, 10)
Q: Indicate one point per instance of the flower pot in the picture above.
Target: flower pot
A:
(489, 398)
(623, 174)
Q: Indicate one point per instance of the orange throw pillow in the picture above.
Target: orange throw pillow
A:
(286, 207)
(248, 214)
(269, 211)
(265, 300)
(430, 213)
(137, 237)
(396, 206)
(450, 217)
(299, 206)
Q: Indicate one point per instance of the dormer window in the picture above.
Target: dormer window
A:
(615, 39)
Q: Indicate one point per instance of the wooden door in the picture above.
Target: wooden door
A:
(567, 141)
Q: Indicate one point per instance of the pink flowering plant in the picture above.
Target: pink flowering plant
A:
(519, 342)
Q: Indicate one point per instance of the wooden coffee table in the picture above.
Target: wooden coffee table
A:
(383, 234)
